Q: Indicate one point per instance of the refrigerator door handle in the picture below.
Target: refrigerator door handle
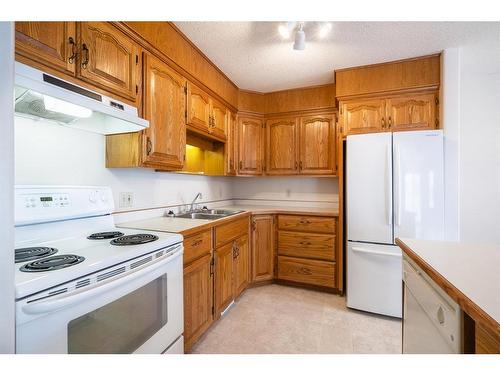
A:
(397, 186)
(388, 187)
(374, 252)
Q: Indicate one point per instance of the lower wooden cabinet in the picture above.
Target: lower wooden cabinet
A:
(262, 248)
(224, 283)
(241, 265)
(198, 299)
(306, 271)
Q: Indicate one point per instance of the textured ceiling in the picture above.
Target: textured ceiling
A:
(254, 57)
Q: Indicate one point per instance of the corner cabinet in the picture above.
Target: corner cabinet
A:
(250, 146)
(263, 248)
(282, 146)
(410, 111)
(164, 142)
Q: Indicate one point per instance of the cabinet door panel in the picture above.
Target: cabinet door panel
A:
(317, 145)
(250, 146)
(108, 59)
(197, 299)
(412, 112)
(262, 248)
(198, 108)
(164, 106)
(242, 265)
(281, 155)
(48, 43)
(224, 283)
(231, 144)
(219, 120)
(363, 116)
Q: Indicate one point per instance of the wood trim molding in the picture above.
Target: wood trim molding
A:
(389, 62)
(468, 306)
(391, 93)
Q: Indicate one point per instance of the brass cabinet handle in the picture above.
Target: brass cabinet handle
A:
(304, 221)
(85, 61)
(196, 243)
(241, 164)
(390, 122)
(300, 164)
(149, 146)
(305, 271)
(305, 243)
(296, 165)
(72, 58)
(383, 122)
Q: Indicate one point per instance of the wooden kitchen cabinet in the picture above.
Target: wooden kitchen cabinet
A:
(241, 265)
(198, 299)
(198, 108)
(164, 142)
(224, 277)
(317, 145)
(262, 248)
(363, 116)
(250, 146)
(281, 146)
(412, 112)
(306, 271)
(219, 115)
(231, 147)
(52, 44)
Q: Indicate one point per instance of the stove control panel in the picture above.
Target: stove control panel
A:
(38, 204)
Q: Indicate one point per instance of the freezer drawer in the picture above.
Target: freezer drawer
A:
(431, 321)
(374, 278)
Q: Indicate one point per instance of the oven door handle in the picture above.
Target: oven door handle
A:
(56, 303)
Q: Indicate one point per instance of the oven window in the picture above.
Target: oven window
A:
(123, 325)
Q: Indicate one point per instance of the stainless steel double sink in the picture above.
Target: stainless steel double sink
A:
(208, 214)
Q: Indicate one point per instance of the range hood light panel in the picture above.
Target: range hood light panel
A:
(70, 109)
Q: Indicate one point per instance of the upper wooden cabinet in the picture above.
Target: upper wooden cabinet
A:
(317, 145)
(398, 112)
(363, 116)
(412, 112)
(198, 108)
(108, 59)
(262, 247)
(250, 146)
(206, 115)
(164, 142)
(52, 44)
(231, 148)
(282, 147)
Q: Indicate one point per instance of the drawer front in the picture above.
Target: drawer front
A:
(315, 272)
(230, 231)
(197, 245)
(307, 223)
(307, 245)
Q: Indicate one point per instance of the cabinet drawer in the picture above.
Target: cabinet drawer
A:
(307, 245)
(230, 231)
(304, 223)
(315, 272)
(197, 245)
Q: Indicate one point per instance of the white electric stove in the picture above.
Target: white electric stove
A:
(86, 286)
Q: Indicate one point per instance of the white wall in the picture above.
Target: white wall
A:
(471, 111)
(47, 153)
(480, 143)
(286, 188)
(7, 322)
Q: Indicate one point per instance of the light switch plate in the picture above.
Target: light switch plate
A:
(126, 199)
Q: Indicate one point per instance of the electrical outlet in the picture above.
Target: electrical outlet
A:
(126, 199)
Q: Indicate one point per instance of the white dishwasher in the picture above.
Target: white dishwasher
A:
(431, 319)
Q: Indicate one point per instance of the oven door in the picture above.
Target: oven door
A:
(139, 312)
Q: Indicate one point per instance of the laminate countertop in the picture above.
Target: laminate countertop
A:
(189, 226)
(468, 273)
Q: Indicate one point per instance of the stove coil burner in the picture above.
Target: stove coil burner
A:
(104, 235)
(27, 254)
(53, 263)
(134, 239)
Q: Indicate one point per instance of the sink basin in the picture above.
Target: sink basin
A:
(208, 214)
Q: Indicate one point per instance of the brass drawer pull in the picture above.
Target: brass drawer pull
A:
(304, 221)
(305, 243)
(196, 243)
(305, 271)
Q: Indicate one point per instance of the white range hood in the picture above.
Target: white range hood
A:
(41, 95)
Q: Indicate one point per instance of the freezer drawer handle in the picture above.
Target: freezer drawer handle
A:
(374, 252)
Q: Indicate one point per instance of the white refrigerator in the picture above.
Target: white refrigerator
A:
(394, 188)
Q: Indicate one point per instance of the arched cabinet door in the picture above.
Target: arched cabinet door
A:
(412, 112)
(281, 138)
(363, 116)
(250, 146)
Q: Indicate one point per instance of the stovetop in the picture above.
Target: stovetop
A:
(83, 256)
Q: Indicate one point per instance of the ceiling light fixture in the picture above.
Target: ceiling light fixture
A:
(300, 38)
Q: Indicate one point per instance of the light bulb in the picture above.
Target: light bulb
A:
(284, 32)
(70, 109)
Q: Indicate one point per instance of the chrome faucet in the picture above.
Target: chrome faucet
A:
(194, 200)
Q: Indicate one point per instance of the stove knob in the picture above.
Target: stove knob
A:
(93, 197)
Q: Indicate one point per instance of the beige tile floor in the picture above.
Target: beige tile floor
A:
(281, 319)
